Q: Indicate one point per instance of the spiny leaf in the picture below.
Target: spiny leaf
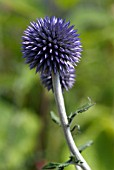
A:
(51, 165)
(55, 118)
(86, 145)
(80, 110)
(61, 166)
(75, 129)
(86, 106)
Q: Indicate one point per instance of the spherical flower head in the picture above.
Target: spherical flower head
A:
(51, 45)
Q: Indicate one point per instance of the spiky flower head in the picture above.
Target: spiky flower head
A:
(52, 45)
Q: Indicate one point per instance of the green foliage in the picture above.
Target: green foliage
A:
(83, 147)
(55, 118)
(80, 110)
(61, 166)
(25, 125)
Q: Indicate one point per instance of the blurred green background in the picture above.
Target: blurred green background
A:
(28, 137)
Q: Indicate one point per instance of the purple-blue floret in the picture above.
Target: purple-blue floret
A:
(52, 45)
(67, 80)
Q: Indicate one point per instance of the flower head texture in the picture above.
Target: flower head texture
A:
(52, 45)
(67, 80)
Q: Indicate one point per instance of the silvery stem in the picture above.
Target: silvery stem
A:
(64, 122)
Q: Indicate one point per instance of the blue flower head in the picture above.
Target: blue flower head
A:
(52, 45)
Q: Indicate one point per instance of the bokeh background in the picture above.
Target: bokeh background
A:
(28, 137)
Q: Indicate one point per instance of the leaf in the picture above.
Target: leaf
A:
(51, 165)
(83, 147)
(80, 110)
(86, 106)
(61, 166)
(75, 129)
(55, 118)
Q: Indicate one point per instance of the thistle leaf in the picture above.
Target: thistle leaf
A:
(80, 110)
(86, 145)
(55, 118)
(75, 129)
(51, 165)
(61, 166)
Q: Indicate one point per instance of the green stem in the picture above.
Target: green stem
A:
(64, 123)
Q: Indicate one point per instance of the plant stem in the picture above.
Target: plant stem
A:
(64, 122)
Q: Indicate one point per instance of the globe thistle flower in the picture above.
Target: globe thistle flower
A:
(52, 45)
(67, 80)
